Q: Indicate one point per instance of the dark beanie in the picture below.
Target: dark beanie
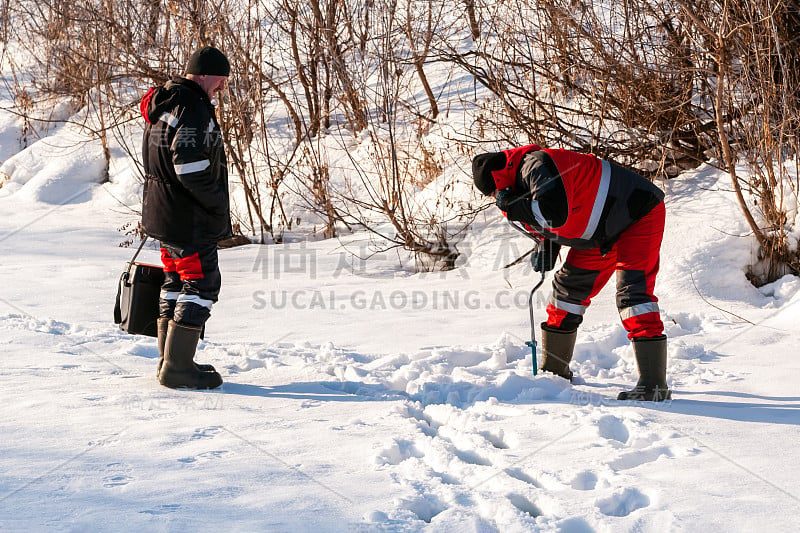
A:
(482, 167)
(208, 61)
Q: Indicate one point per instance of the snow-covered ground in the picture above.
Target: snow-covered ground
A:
(359, 396)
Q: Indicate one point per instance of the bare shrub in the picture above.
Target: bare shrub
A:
(753, 50)
(383, 192)
(658, 86)
(613, 78)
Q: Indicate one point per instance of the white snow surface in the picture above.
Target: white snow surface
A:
(360, 396)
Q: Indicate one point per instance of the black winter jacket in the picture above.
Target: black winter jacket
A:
(186, 198)
(628, 198)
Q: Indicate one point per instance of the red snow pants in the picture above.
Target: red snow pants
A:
(191, 282)
(635, 258)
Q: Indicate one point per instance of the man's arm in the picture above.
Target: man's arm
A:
(191, 157)
(539, 175)
(539, 198)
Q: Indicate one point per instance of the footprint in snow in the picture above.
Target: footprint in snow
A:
(518, 474)
(623, 503)
(203, 433)
(525, 505)
(624, 433)
(471, 457)
(118, 477)
(575, 525)
(446, 479)
(640, 457)
(116, 481)
(425, 507)
(399, 451)
(612, 428)
(203, 457)
(18, 321)
(495, 440)
(586, 480)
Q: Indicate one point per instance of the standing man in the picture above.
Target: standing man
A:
(613, 220)
(186, 206)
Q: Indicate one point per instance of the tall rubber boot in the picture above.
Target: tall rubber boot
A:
(557, 347)
(651, 358)
(161, 325)
(179, 370)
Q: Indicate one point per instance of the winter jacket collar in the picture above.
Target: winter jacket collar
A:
(193, 85)
(159, 100)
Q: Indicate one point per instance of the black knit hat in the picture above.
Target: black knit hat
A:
(482, 167)
(208, 60)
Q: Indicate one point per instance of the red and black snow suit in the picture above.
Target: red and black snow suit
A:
(611, 217)
(186, 174)
(186, 201)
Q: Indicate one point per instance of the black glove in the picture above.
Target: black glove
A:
(545, 256)
(503, 197)
(516, 206)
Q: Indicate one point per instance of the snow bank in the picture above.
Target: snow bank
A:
(9, 135)
(59, 169)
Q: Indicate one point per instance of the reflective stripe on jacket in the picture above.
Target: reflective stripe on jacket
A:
(603, 199)
(186, 198)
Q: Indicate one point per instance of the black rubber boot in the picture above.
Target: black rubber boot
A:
(179, 370)
(651, 358)
(557, 347)
(162, 325)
